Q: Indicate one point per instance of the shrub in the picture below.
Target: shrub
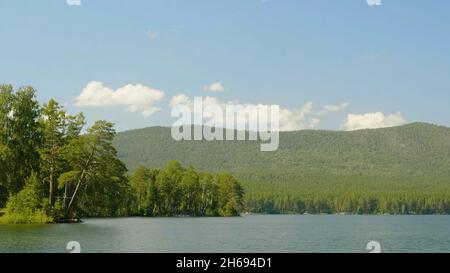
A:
(26, 207)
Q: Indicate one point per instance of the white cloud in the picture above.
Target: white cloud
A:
(297, 119)
(313, 123)
(374, 2)
(330, 108)
(73, 2)
(214, 87)
(290, 119)
(180, 99)
(136, 98)
(372, 121)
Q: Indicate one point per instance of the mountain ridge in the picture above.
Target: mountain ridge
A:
(412, 158)
(417, 123)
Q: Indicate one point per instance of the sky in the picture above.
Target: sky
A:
(329, 64)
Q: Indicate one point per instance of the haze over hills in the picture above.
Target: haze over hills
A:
(413, 159)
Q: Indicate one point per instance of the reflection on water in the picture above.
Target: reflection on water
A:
(255, 233)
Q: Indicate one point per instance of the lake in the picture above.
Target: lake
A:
(254, 233)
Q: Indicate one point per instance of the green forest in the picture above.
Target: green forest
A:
(182, 191)
(398, 170)
(53, 169)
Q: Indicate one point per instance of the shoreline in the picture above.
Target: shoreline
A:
(80, 221)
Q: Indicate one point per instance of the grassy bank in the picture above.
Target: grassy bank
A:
(17, 218)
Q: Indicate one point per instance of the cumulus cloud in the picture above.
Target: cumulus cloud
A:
(313, 123)
(180, 99)
(372, 121)
(330, 108)
(297, 118)
(136, 98)
(214, 87)
(291, 119)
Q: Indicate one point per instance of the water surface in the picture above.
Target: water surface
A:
(255, 233)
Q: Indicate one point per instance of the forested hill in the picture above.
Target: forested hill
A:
(413, 158)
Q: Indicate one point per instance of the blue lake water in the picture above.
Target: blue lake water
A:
(254, 233)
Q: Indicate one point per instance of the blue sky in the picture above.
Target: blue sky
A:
(393, 58)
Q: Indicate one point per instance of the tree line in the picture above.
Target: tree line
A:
(182, 191)
(350, 203)
(52, 168)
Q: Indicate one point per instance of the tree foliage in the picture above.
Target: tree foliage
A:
(95, 168)
(20, 135)
(176, 190)
(49, 169)
(28, 206)
(53, 169)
